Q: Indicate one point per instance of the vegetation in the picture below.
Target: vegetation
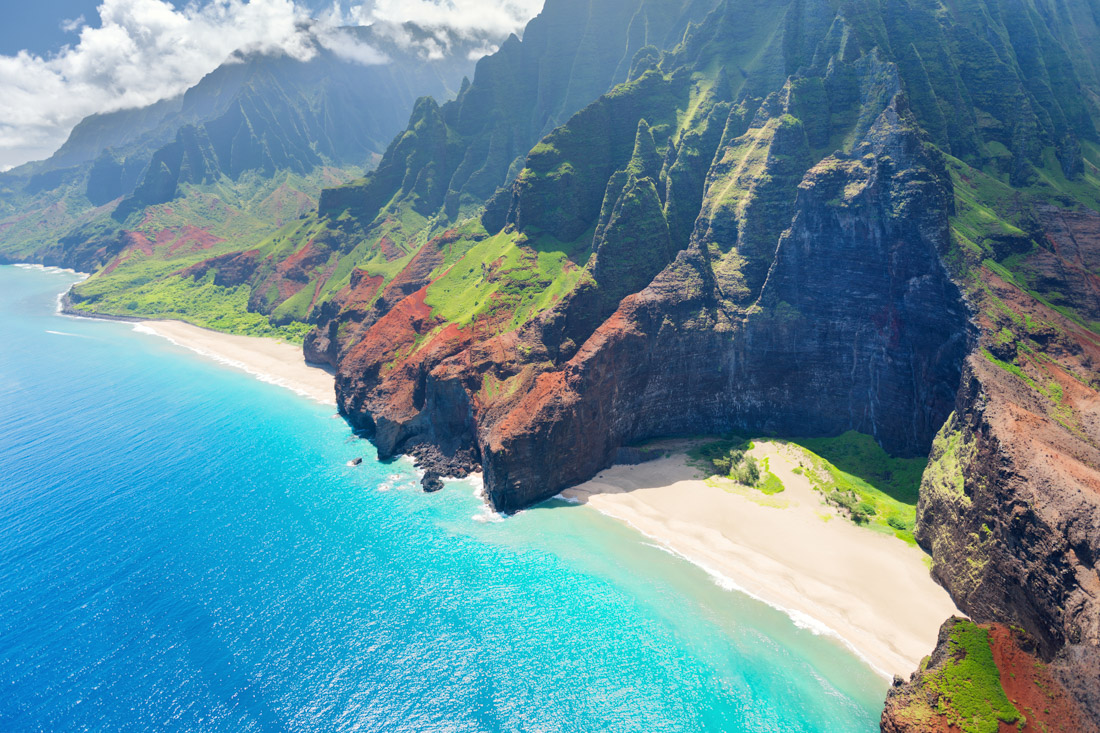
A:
(730, 459)
(505, 278)
(852, 472)
(856, 475)
(770, 483)
(202, 303)
(969, 684)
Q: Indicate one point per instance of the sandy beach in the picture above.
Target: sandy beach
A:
(791, 550)
(272, 361)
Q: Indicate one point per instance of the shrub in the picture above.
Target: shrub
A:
(748, 472)
(898, 523)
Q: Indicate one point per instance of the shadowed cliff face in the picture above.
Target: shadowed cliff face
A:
(856, 325)
(708, 266)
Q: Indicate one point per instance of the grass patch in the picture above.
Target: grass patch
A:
(969, 684)
(507, 277)
(770, 484)
(857, 476)
(859, 456)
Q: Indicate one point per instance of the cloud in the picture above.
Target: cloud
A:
(72, 25)
(477, 20)
(141, 52)
(348, 47)
(144, 51)
(470, 17)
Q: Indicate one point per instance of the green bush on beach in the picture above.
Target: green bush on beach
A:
(728, 458)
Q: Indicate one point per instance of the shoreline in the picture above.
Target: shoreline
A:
(701, 522)
(649, 498)
(870, 591)
(269, 360)
(266, 359)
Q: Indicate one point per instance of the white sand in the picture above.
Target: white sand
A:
(272, 361)
(790, 550)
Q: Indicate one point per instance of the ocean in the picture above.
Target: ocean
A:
(183, 548)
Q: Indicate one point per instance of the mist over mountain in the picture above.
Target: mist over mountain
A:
(259, 115)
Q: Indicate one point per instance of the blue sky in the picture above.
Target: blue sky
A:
(36, 25)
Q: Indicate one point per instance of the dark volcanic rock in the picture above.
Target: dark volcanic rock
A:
(436, 465)
(431, 483)
(857, 326)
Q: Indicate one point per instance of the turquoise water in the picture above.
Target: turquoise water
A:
(182, 547)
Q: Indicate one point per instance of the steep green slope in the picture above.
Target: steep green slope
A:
(447, 163)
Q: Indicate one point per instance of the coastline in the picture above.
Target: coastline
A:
(717, 528)
(269, 360)
(871, 591)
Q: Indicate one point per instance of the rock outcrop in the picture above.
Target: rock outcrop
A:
(983, 678)
(688, 354)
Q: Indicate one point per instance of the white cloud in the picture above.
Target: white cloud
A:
(143, 51)
(468, 18)
(72, 25)
(348, 47)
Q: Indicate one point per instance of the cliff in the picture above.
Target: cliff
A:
(982, 679)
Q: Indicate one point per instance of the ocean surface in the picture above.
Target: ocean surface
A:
(182, 548)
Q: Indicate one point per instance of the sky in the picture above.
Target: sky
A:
(62, 60)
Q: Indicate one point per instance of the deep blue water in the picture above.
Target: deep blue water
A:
(182, 547)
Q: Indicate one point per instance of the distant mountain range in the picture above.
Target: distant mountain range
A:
(256, 118)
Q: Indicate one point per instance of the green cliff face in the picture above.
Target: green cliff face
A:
(981, 679)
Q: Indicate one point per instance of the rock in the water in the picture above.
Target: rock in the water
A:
(431, 483)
